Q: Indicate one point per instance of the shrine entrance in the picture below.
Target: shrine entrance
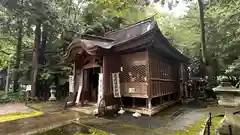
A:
(92, 66)
(90, 85)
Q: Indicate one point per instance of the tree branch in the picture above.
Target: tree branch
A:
(1, 51)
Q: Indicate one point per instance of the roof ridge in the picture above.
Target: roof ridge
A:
(130, 25)
(99, 37)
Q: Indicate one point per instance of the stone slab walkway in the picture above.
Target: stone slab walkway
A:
(125, 124)
(115, 127)
(13, 108)
(33, 124)
(48, 107)
(159, 124)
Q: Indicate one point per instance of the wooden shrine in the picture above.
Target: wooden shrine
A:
(148, 67)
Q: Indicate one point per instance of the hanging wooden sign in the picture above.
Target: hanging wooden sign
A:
(100, 87)
(116, 85)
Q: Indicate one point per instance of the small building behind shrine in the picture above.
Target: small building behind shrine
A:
(135, 65)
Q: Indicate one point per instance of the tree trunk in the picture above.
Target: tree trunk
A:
(18, 52)
(35, 58)
(8, 76)
(43, 45)
(202, 27)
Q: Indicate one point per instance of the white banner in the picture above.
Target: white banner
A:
(79, 82)
(116, 85)
(71, 83)
(100, 87)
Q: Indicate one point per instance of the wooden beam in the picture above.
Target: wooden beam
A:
(91, 65)
(160, 79)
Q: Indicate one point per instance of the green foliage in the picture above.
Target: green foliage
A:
(61, 20)
(7, 45)
(12, 97)
(234, 68)
(222, 30)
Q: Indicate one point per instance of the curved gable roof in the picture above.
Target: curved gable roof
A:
(125, 36)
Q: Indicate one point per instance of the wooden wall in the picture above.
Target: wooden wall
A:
(163, 75)
(133, 78)
(111, 64)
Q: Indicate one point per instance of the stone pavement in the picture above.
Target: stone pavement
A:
(48, 107)
(33, 124)
(159, 124)
(13, 108)
(116, 127)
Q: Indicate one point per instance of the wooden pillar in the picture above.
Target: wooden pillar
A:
(146, 103)
(106, 74)
(84, 84)
(178, 80)
(149, 103)
(101, 69)
(169, 97)
(133, 102)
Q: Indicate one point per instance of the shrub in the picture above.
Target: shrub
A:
(12, 97)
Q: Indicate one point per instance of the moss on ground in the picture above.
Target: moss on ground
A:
(92, 132)
(191, 129)
(215, 124)
(18, 115)
(198, 126)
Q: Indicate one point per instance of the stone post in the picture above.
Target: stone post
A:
(228, 97)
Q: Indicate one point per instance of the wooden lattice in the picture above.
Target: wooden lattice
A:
(134, 73)
(134, 68)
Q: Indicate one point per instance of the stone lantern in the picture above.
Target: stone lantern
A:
(52, 92)
(228, 97)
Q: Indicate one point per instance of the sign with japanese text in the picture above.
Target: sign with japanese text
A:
(71, 83)
(116, 85)
(100, 87)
